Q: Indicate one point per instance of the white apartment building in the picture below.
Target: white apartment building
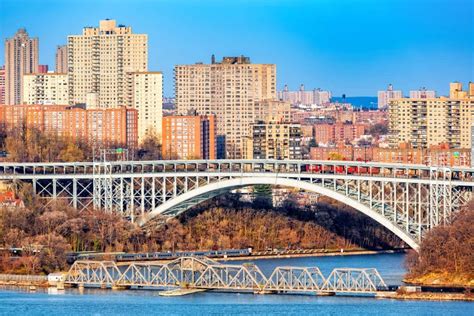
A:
(100, 58)
(384, 97)
(422, 93)
(145, 93)
(45, 88)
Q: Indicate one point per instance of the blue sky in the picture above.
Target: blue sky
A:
(347, 46)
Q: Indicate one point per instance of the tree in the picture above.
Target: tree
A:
(263, 196)
(71, 153)
(150, 148)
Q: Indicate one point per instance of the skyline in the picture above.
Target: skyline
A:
(426, 50)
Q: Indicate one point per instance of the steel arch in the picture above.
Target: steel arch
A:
(227, 185)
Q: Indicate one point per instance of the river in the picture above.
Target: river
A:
(107, 302)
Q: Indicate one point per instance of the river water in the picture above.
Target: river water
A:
(107, 302)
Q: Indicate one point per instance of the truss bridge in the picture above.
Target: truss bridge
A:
(207, 274)
(409, 200)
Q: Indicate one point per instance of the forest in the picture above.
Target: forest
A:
(446, 253)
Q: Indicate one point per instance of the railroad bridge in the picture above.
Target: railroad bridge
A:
(204, 273)
(409, 200)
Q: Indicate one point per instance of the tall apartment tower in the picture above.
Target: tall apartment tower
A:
(145, 94)
(384, 97)
(229, 89)
(61, 60)
(100, 58)
(2, 84)
(21, 57)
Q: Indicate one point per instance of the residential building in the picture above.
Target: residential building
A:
(384, 97)
(145, 94)
(272, 110)
(98, 127)
(434, 156)
(229, 89)
(21, 57)
(427, 122)
(2, 84)
(338, 132)
(189, 137)
(100, 58)
(61, 60)
(301, 96)
(274, 140)
(42, 69)
(45, 88)
(422, 93)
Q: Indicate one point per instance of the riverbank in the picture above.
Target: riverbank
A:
(441, 279)
(326, 253)
(427, 296)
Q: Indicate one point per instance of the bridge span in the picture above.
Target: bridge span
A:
(409, 200)
(206, 274)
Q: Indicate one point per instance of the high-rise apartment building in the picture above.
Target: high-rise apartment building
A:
(274, 140)
(45, 88)
(422, 93)
(145, 94)
(384, 97)
(100, 58)
(2, 84)
(21, 57)
(189, 137)
(98, 127)
(428, 122)
(61, 60)
(229, 89)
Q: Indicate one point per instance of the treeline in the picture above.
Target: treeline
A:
(30, 144)
(446, 253)
(47, 233)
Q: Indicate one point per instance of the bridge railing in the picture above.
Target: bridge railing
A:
(242, 166)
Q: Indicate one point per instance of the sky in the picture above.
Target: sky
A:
(355, 47)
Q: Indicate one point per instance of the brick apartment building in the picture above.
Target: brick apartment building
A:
(98, 127)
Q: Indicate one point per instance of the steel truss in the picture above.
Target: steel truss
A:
(204, 273)
(412, 198)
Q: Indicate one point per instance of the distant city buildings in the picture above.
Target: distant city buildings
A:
(189, 137)
(100, 58)
(338, 132)
(316, 96)
(21, 57)
(427, 122)
(404, 154)
(229, 89)
(422, 93)
(384, 97)
(45, 88)
(61, 60)
(97, 127)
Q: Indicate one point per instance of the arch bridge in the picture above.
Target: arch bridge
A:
(409, 200)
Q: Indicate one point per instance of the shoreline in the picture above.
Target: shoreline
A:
(313, 254)
(420, 296)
